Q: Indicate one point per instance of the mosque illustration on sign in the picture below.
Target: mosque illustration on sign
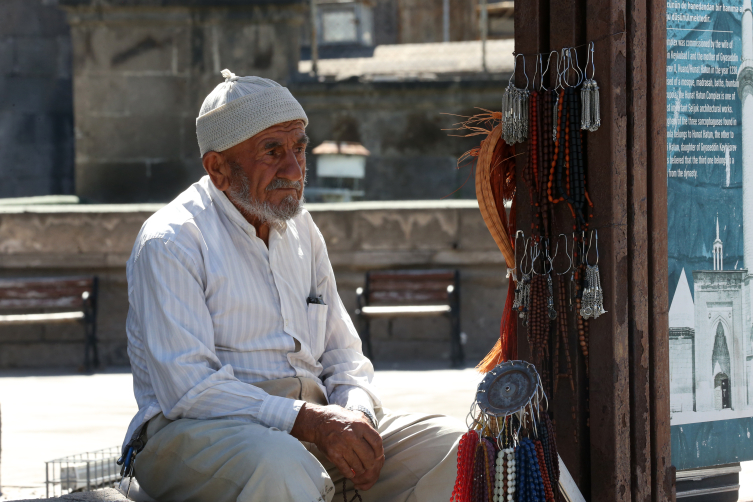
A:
(711, 330)
(711, 343)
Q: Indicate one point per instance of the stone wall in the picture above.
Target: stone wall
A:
(407, 128)
(94, 239)
(36, 101)
(142, 69)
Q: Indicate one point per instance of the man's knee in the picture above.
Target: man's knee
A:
(197, 458)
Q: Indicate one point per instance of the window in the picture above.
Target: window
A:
(339, 26)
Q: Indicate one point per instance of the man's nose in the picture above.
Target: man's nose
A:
(290, 168)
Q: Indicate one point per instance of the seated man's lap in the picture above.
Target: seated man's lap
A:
(227, 460)
(231, 460)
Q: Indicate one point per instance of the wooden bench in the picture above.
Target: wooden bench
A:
(411, 293)
(64, 299)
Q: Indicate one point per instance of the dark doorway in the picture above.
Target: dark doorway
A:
(725, 394)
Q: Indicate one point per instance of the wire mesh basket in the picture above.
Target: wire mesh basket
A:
(82, 472)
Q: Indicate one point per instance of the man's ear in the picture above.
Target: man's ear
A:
(218, 170)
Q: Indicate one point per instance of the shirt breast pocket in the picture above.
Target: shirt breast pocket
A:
(317, 316)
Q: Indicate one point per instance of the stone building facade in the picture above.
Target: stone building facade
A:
(138, 70)
(36, 100)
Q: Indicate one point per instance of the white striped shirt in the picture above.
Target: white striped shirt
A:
(213, 310)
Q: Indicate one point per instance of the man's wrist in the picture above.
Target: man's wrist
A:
(367, 413)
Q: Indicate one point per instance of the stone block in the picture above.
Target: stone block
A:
(473, 233)
(148, 180)
(35, 95)
(31, 17)
(189, 143)
(69, 234)
(249, 48)
(416, 177)
(151, 45)
(403, 230)
(114, 95)
(36, 56)
(126, 139)
(168, 179)
(111, 182)
(337, 229)
(26, 186)
(7, 55)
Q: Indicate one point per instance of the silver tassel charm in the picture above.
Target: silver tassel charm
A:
(585, 109)
(515, 112)
(592, 303)
(594, 112)
(591, 116)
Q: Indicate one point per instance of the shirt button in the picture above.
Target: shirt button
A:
(286, 323)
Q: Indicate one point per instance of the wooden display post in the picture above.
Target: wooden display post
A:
(613, 433)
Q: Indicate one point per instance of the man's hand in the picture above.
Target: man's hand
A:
(346, 438)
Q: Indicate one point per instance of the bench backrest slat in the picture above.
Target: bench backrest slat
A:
(404, 287)
(37, 293)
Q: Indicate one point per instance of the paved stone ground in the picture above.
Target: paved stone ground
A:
(47, 416)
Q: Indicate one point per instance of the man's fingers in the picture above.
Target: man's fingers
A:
(354, 463)
(375, 440)
(342, 466)
(365, 453)
(370, 477)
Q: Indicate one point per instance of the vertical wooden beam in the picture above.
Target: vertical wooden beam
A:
(608, 181)
(663, 473)
(638, 268)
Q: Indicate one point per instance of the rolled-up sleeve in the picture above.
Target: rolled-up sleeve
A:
(167, 294)
(347, 374)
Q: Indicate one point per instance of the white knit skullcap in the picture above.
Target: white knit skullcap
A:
(242, 107)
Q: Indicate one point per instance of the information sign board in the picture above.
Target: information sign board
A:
(710, 224)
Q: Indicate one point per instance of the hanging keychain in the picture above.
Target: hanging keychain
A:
(591, 115)
(592, 305)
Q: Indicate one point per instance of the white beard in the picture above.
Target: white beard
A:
(266, 213)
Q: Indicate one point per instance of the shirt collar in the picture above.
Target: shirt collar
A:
(232, 212)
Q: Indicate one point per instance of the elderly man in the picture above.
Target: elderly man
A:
(247, 369)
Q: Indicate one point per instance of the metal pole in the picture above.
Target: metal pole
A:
(314, 41)
(484, 25)
(445, 20)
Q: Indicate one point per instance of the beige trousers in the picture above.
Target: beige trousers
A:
(226, 460)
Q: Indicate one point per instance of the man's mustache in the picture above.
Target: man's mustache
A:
(278, 183)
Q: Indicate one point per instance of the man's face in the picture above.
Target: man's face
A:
(267, 172)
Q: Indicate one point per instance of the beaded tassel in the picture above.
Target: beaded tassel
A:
(562, 339)
(499, 473)
(548, 492)
(466, 456)
(489, 468)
